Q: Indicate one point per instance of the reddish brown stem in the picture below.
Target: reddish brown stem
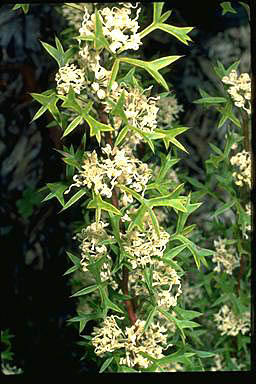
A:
(128, 303)
(125, 275)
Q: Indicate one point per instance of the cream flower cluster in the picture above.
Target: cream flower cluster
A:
(102, 174)
(226, 258)
(118, 28)
(110, 337)
(229, 324)
(219, 360)
(240, 89)
(164, 278)
(91, 60)
(67, 76)
(169, 110)
(242, 160)
(140, 110)
(145, 245)
(90, 238)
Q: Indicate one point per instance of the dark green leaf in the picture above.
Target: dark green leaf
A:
(86, 290)
(74, 199)
(72, 125)
(227, 7)
(106, 363)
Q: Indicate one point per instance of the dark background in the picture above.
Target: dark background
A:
(36, 301)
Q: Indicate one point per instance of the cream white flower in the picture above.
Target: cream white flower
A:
(226, 257)
(68, 76)
(140, 110)
(229, 324)
(169, 110)
(103, 174)
(240, 89)
(242, 161)
(110, 337)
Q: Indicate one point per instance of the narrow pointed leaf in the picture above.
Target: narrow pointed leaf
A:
(154, 221)
(100, 40)
(157, 8)
(181, 33)
(85, 291)
(121, 136)
(74, 199)
(72, 125)
(113, 75)
(163, 62)
(106, 363)
(39, 112)
(211, 100)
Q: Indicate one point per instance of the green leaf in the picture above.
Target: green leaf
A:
(25, 7)
(121, 136)
(106, 363)
(100, 40)
(54, 53)
(73, 258)
(227, 113)
(165, 16)
(74, 199)
(166, 164)
(157, 9)
(227, 7)
(162, 62)
(191, 246)
(118, 109)
(186, 314)
(71, 270)
(110, 305)
(211, 100)
(216, 149)
(175, 357)
(96, 127)
(170, 254)
(150, 316)
(169, 136)
(84, 318)
(204, 354)
(48, 100)
(220, 69)
(154, 221)
(72, 125)
(152, 67)
(179, 32)
(173, 320)
(39, 113)
(98, 203)
(137, 219)
(58, 45)
(224, 207)
(165, 201)
(70, 102)
(85, 291)
(113, 74)
(130, 191)
(184, 215)
(57, 190)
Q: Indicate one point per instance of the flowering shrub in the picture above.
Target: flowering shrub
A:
(134, 246)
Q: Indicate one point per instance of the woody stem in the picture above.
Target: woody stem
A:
(125, 272)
